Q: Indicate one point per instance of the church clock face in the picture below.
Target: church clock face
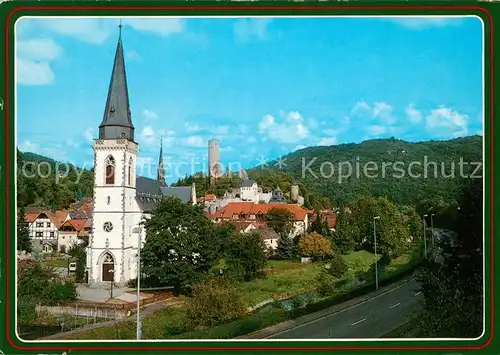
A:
(108, 227)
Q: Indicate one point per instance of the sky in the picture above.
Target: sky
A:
(264, 87)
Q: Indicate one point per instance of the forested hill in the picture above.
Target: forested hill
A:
(388, 163)
(37, 184)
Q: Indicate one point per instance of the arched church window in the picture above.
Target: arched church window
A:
(130, 172)
(110, 170)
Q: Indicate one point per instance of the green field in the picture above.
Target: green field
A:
(60, 263)
(285, 279)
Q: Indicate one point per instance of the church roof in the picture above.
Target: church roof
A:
(117, 118)
(248, 183)
(149, 192)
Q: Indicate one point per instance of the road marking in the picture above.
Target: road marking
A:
(418, 293)
(359, 321)
(340, 311)
(394, 305)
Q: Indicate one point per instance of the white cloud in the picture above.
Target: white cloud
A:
(376, 130)
(97, 30)
(28, 146)
(289, 130)
(161, 26)
(299, 147)
(133, 56)
(192, 127)
(383, 111)
(227, 149)
(414, 115)
(31, 73)
(251, 140)
(220, 130)
(33, 59)
(361, 108)
(149, 114)
(331, 132)
(196, 141)
(266, 122)
(89, 134)
(328, 141)
(72, 143)
(246, 29)
(447, 120)
(417, 23)
(148, 135)
(55, 152)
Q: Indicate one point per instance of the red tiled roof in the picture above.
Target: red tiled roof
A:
(258, 208)
(328, 215)
(77, 223)
(56, 218)
(210, 197)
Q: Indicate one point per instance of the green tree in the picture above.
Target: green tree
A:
(23, 232)
(246, 255)
(453, 286)
(286, 249)
(337, 266)
(212, 303)
(346, 232)
(181, 244)
(281, 221)
(316, 246)
(79, 255)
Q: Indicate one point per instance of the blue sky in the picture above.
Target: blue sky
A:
(263, 86)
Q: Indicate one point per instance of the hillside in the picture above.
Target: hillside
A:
(38, 186)
(340, 189)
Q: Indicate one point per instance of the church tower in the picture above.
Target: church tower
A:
(161, 170)
(112, 247)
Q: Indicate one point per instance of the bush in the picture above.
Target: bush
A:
(62, 249)
(214, 302)
(26, 310)
(337, 266)
(316, 246)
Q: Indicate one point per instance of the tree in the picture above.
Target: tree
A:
(316, 246)
(453, 287)
(182, 244)
(281, 221)
(346, 232)
(286, 249)
(79, 254)
(23, 232)
(246, 255)
(337, 266)
(214, 302)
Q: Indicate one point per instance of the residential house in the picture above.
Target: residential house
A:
(257, 212)
(68, 233)
(44, 227)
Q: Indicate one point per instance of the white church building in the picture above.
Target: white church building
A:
(121, 199)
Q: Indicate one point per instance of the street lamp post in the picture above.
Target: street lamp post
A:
(139, 325)
(112, 280)
(425, 236)
(432, 230)
(375, 247)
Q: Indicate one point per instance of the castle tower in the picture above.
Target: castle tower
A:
(294, 192)
(115, 153)
(214, 159)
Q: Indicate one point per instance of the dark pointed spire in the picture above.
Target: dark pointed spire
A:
(161, 169)
(117, 120)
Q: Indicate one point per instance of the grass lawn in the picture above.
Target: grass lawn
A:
(55, 263)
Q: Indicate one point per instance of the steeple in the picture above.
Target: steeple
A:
(161, 170)
(117, 120)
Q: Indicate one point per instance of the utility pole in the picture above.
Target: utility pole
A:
(425, 237)
(375, 247)
(432, 230)
(139, 245)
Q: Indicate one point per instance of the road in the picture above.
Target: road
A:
(370, 319)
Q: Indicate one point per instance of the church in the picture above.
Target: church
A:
(121, 199)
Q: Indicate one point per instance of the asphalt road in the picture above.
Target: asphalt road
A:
(370, 319)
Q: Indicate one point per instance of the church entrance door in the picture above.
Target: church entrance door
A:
(108, 265)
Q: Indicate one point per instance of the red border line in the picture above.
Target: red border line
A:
(244, 8)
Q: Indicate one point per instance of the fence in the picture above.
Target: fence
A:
(87, 311)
